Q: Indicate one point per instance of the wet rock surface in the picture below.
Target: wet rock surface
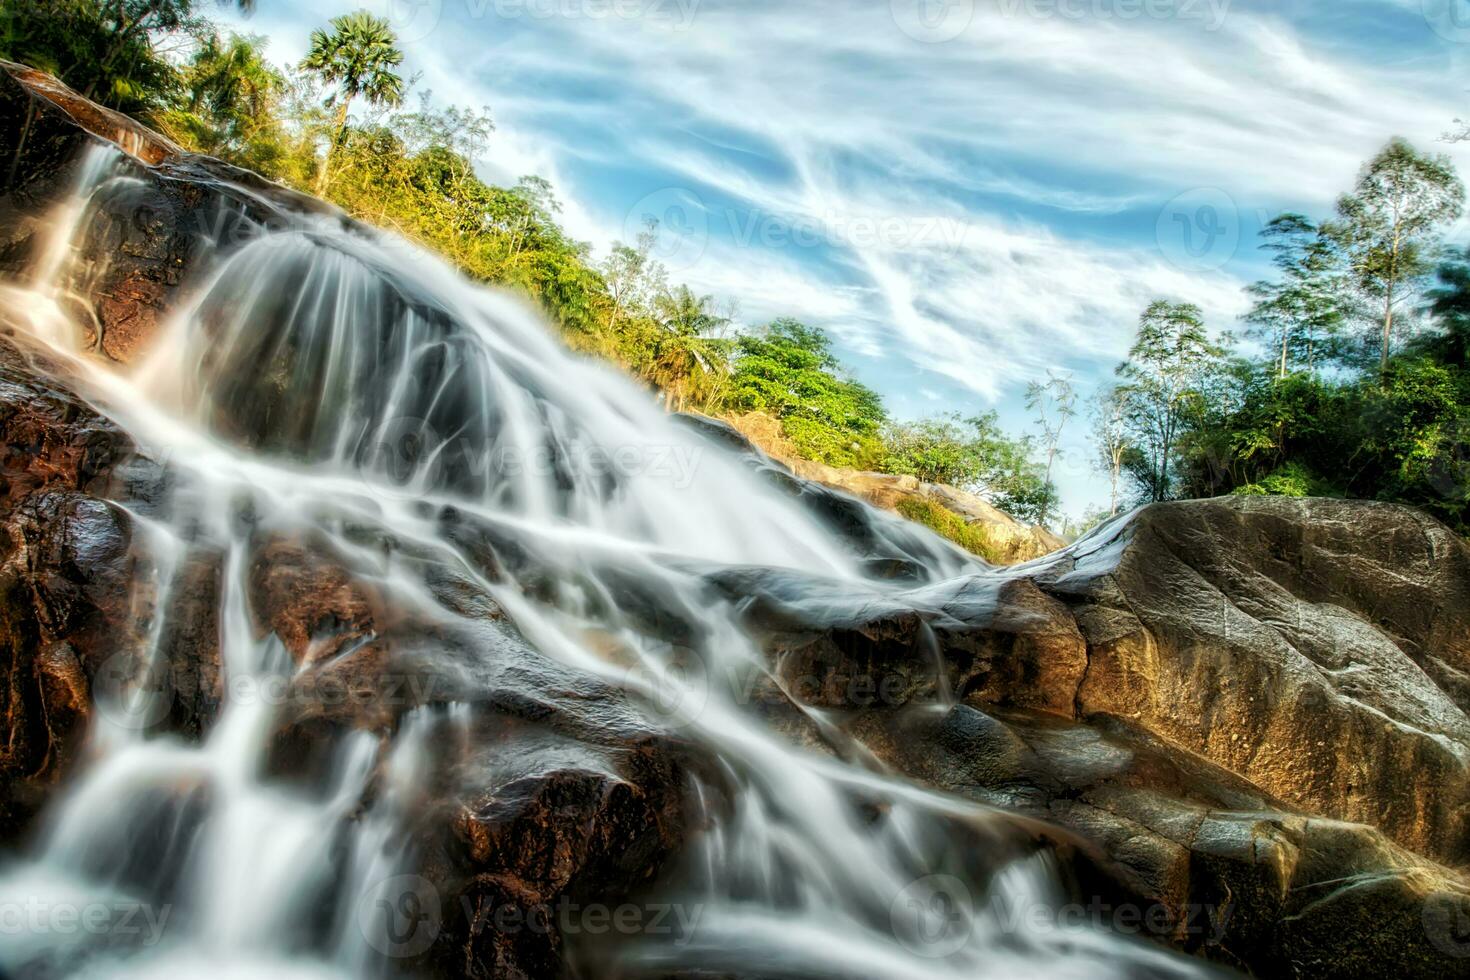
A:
(1247, 714)
(148, 231)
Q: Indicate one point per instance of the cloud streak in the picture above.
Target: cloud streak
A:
(962, 215)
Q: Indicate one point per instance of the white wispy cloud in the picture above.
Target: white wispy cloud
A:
(1034, 152)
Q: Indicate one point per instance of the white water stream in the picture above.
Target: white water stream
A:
(282, 398)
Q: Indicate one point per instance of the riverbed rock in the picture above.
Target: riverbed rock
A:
(146, 230)
(1251, 712)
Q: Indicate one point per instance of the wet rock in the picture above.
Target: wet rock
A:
(145, 232)
(548, 832)
(1192, 854)
(1319, 648)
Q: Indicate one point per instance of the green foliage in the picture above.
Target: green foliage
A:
(789, 372)
(947, 524)
(972, 454)
(1387, 227)
(357, 58)
(109, 50)
(1292, 480)
(1164, 380)
(1301, 315)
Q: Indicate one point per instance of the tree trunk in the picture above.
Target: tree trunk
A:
(1113, 498)
(338, 131)
(1387, 331)
(1388, 287)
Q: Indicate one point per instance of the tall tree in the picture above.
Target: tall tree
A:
(1389, 224)
(229, 100)
(358, 57)
(1163, 374)
(1110, 411)
(1301, 313)
(1054, 402)
(634, 278)
(688, 344)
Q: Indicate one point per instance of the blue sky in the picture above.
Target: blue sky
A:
(966, 194)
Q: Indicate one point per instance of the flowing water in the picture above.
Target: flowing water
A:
(326, 383)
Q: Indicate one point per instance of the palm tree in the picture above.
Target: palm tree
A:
(357, 57)
(688, 343)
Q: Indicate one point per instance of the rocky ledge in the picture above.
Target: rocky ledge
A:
(1248, 716)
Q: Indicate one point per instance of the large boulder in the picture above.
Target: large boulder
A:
(1319, 648)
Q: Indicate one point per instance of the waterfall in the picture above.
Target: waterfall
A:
(326, 384)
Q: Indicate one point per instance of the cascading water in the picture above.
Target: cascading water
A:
(330, 385)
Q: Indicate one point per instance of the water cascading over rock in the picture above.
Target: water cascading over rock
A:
(362, 630)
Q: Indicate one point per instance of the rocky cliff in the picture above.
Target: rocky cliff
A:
(1241, 724)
